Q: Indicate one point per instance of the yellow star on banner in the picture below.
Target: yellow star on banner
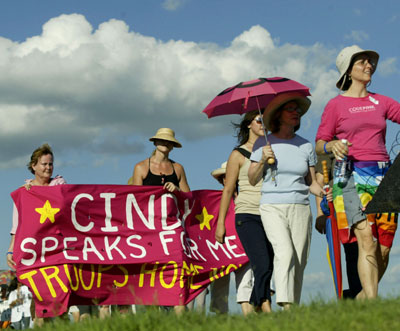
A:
(204, 218)
(47, 212)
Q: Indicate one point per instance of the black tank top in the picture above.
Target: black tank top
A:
(159, 180)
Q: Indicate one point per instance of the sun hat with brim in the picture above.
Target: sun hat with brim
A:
(220, 171)
(343, 62)
(168, 135)
(282, 98)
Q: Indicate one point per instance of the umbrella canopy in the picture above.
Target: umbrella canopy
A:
(332, 237)
(252, 95)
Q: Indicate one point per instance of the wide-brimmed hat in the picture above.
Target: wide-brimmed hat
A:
(220, 171)
(282, 98)
(168, 135)
(343, 62)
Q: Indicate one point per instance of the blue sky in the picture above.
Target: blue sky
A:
(97, 79)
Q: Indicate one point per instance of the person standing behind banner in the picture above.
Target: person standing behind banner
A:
(350, 248)
(41, 166)
(160, 170)
(247, 216)
(359, 116)
(284, 205)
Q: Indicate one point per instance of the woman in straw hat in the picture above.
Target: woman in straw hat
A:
(359, 117)
(284, 205)
(159, 169)
(247, 216)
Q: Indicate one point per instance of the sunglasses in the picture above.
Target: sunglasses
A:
(258, 119)
(292, 109)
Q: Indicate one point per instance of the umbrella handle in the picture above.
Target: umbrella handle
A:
(271, 160)
(325, 172)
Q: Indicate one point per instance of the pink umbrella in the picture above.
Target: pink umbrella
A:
(251, 95)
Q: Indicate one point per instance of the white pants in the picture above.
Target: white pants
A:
(220, 289)
(288, 228)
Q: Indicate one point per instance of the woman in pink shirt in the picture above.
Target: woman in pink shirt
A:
(359, 117)
(41, 165)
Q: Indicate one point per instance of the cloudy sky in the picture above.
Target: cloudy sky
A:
(97, 79)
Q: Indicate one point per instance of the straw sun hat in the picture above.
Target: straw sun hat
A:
(343, 62)
(168, 135)
(220, 171)
(269, 112)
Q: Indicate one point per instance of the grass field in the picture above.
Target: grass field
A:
(380, 314)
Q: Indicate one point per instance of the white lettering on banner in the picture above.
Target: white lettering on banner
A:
(217, 246)
(164, 212)
(113, 247)
(32, 260)
(107, 205)
(48, 249)
(194, 249)
(92, 249)
(231, 246)
(164, 240)
(68, 257)
(141, 248)
(131, 200)
(188, 211)
(80, 254)
(77, 226)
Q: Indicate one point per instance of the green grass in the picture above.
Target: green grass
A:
(380, 314)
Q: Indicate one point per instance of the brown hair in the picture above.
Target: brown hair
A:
(242, 128)
(45, 149)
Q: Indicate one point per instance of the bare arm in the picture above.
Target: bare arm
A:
(183, 184)
(10, 260)
(231, 177)
(336, 147)
(138, 174)
(256, 169)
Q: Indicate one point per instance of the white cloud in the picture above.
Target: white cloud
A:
(317, 280)
(103, 90)
(357, 36)
(388, 66)
(172, 5)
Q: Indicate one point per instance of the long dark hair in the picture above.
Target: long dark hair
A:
(242, 128)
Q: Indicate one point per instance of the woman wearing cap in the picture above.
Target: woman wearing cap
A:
(284, 205)
(359, 116)
(247, 215)
(159, 169)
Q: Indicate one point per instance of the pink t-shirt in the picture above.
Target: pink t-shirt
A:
(58, 180)
(362, 121)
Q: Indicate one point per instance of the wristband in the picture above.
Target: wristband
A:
(10, 253)
(326, 152)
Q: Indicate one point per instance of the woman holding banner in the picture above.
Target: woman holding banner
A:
(284, 205)
(247, 217)
(41, 165)
(160, 170)
(358, 119)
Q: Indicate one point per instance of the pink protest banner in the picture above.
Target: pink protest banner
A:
(116, 244)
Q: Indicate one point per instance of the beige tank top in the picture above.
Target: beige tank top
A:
(248, 199)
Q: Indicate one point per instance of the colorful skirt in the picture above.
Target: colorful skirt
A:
(351, 198)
